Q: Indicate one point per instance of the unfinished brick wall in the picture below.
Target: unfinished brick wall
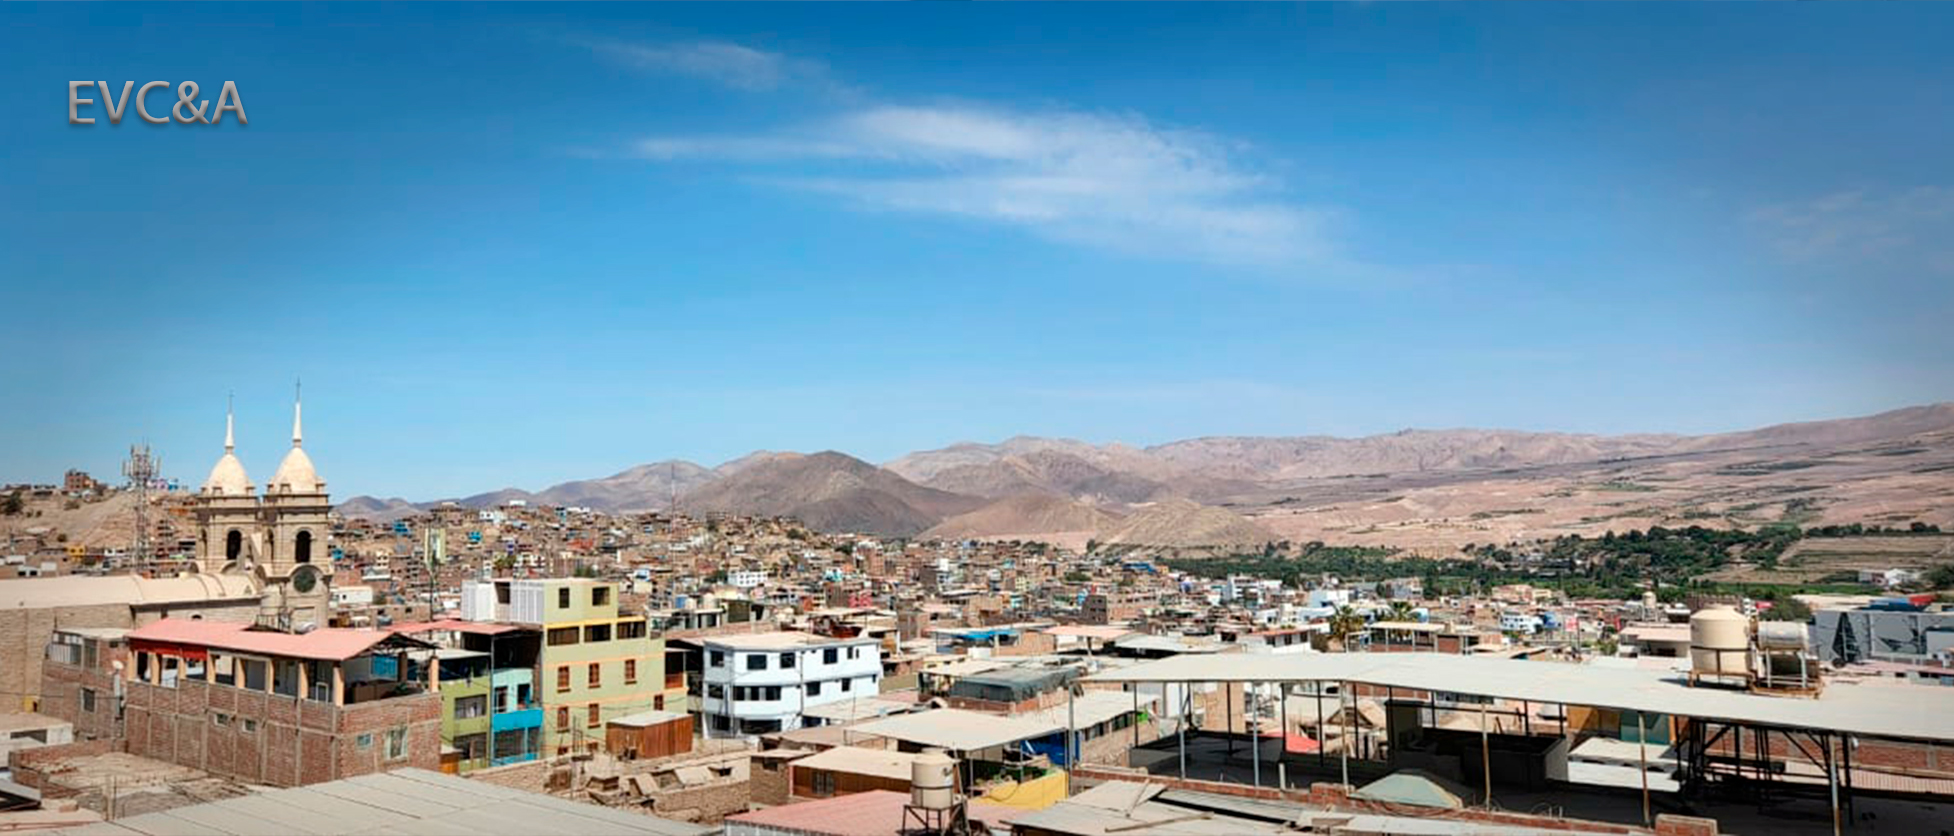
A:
(61, 689)
(277, 740)
(33, 767)
(707, 804)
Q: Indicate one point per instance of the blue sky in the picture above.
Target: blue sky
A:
(512, 245)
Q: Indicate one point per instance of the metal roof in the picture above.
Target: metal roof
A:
(405, 801)
(326, 643)
(128, 590)
(1894, 711)
(956, 729)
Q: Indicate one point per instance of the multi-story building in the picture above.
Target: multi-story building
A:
(595, 664)
(490, 715)
(761, 682)
(254, 705)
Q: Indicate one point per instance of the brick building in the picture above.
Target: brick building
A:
(257, 705)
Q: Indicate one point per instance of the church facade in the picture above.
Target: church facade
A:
(277, 539)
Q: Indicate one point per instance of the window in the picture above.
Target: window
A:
(563, 678)
(814, 689)
(630, 671)
(633, 629)
(396, 744)
(562, 717)
(600, 596)
(716, 658)
(716, 691)
(88, 700)
(563, 598)
(658, 702)
(595, 675)
(824, 783)
(854, 653)
(830, 655)
(597, 633)
(786, 660)
(560, 636)
(592, 719)
(470, 707)
(364, 741)
(848, 685)
(302, 547)
(756, 661)
(90, 655)
(221, 719)
(250, 726)
(772, 692)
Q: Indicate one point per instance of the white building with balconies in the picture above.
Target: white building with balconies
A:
(761, 683)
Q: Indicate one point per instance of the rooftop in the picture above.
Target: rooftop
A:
(83, 590)
(1914, 713)
(778, 640)
(326, 643)
(402, 802)
(872, 813)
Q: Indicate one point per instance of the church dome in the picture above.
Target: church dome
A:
(295, 474)
(227, 477)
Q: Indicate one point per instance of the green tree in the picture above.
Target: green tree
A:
(1345, 624)
(12, 504)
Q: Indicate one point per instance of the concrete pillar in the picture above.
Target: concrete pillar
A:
(338, 685)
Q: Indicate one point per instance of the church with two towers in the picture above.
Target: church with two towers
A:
(277, 538)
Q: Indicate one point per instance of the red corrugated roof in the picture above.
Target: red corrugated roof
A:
(872, 813)
(329, 643)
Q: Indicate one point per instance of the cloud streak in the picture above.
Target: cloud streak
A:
(1111, 181)
(730, 64)
(1860, 224)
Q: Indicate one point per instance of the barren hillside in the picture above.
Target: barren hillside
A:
(1026, 517)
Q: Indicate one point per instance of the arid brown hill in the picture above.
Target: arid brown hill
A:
(830, 492)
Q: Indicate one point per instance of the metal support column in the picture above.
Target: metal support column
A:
(1187, 713)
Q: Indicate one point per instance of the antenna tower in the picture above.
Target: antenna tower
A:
(141, 468)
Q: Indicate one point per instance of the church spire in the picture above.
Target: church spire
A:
(230, 445)
(298, 399)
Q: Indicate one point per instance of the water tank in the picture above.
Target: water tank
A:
(932, 780)
(1719, 642)
(1782, 635)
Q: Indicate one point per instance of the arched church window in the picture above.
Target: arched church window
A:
(233, 544)
(302, 547)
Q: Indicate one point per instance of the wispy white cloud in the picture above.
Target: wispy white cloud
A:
(1864, 224)
(731, 64)
(1114, 181)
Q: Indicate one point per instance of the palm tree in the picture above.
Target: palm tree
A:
(1401, 610)
(1344, 624)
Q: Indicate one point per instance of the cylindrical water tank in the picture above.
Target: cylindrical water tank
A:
(1719, 642)
(1782, 635)
(932, 780)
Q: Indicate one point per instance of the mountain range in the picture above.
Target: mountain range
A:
(1184, 493)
